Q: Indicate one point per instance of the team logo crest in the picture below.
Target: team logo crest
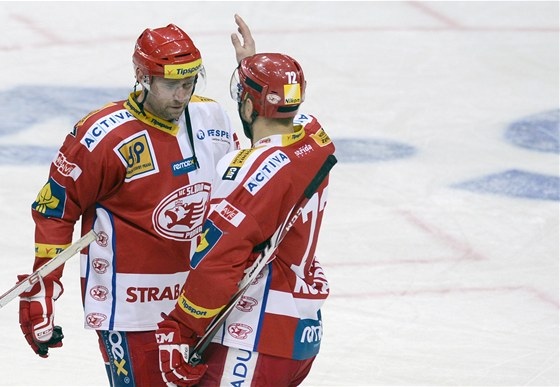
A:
(102, 239)
(246, 304)
(99, 293)
(239, 331)
(100, 265)
(179, 216)
(95, 320)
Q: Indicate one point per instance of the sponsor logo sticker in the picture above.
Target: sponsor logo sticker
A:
(230, 213)
(210, 236)
(321, 138)
(66, 168)
(183, 167)
(51, 200)
(136, 153)
(292, 94)
(237, 163)
(273, 98)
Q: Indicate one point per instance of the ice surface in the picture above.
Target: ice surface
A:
(441, 237)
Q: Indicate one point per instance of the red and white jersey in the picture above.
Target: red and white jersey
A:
(280, 312)
(132, 178)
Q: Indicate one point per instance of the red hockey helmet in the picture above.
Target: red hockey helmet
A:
(167, 52)
(275, 83)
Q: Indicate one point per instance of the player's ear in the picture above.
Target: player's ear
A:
(247, 109)
(138, 74)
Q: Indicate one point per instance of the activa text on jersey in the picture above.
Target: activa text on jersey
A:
(268, 168)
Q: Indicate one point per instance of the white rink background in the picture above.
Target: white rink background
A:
(430, 284)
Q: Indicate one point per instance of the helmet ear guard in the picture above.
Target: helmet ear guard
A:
(274, 82)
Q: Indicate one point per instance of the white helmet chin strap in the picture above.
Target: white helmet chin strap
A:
(146, 82)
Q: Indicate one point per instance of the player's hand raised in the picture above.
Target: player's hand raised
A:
(247, 47)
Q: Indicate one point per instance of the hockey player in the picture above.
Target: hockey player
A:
(138, 172)
(273, 335)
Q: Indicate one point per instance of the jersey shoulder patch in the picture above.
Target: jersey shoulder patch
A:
(313, 129)
(82, 121)
(239, 158)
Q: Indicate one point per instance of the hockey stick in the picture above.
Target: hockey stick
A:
(47, 268)
(263, 260)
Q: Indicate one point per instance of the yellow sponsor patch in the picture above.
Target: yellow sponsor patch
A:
(288, 139)
(51, 200)
(292, 94)
(181, 71)
(81, 122)
(196, 311)
(48, 251)
(198, 98)
(237, 163)
(136, 154)
(241, 157)
(46, 199)
(321, 138)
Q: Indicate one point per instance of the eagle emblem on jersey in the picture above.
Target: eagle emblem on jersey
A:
(180, 215)
(185, 214)
(239, 331)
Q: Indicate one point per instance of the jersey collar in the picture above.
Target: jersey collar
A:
(149, 119)
(282, 139)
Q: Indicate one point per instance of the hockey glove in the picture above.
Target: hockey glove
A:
(174, 356)
(36, 315)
